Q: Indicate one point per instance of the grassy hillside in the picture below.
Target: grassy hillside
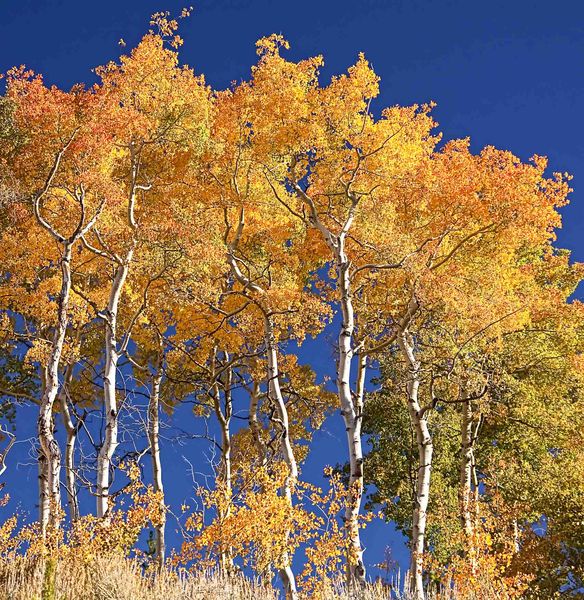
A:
(107, 579)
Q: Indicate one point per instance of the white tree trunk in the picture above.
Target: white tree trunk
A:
(466, 471)
(154, 441)
(275, 395)
(50, 469)
(352, 412)
(425, 450)
(71, 431)
(224, 419)
(42, 470)
(44, 511)
(110, 441)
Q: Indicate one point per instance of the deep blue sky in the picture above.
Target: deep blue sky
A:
(507, 73)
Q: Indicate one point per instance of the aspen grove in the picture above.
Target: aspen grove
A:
(166, 249)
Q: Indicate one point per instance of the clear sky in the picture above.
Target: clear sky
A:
(507, 73)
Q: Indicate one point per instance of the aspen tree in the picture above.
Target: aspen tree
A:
(160, 111)
(56, 163)
(332, 149)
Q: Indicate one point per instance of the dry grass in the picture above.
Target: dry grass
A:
(24, 579)
(106, 579)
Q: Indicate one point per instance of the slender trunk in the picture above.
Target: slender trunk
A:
(352, 413)
(71, 430)
(425, 450)
(50, 468)
(275, 395)
(224, 420)
(226, 433)
(255, 428)
(49, 448)
(110, 441)
(42, 470)
(43, 490)
(154, 441)
(112, 350)
(466, 472)
(475, 482)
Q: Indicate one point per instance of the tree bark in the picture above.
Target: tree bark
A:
(425, 450)
(71, 430)
(275, 395)
(352, 412)
(50, 507)
(110, 441)
(43, 477)
(43, 492)
(50, 469)
(224, 419)
(466, 472)
(154, 441)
